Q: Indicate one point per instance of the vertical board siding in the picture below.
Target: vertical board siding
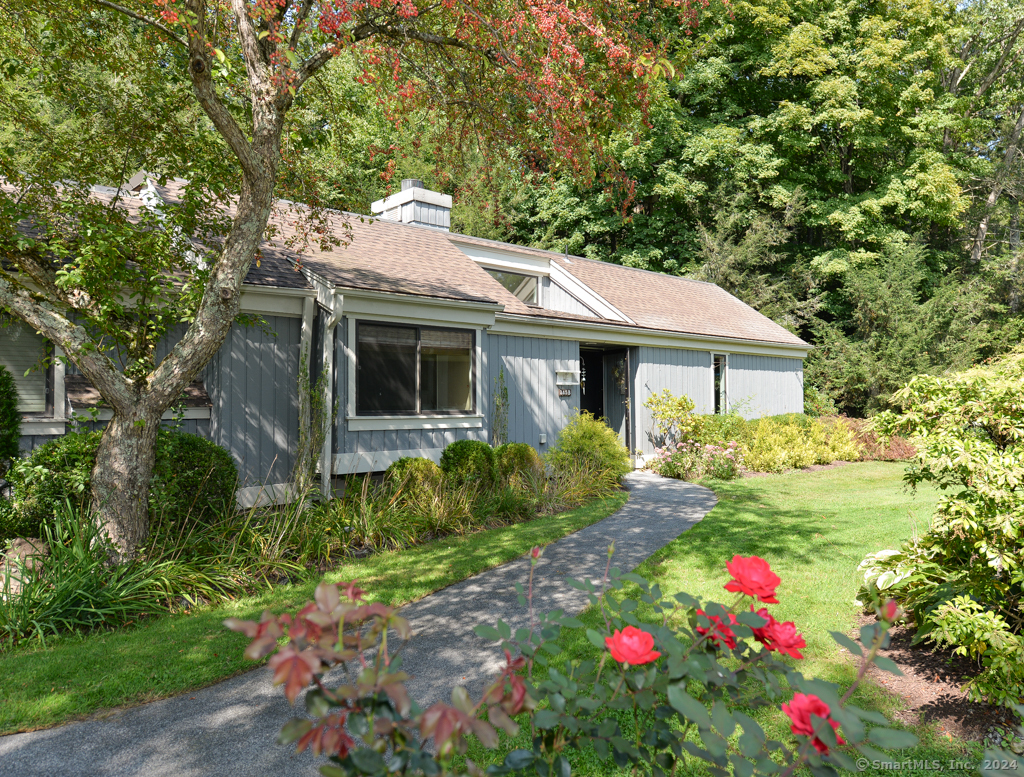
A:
(252, 383)
(530, 364)
(681, 372)
(554, 297)
(764, 385)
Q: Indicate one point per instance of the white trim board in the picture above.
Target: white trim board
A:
(377, 461)
(611, 333)
(505, 260)
(590, 298)
(391, 422)
(262, 496)
(41, 426)
(105, 414)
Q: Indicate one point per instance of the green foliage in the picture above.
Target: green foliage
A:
(10, 420)
(191, 477)
(717, 446)
(75, 588)
(821, 163)
(518, 460)
(415, 478)
(817, 403)
(470, 462)
(673, 416)
(667, 664)
(780, 443)
(588, 442)
(963, 579)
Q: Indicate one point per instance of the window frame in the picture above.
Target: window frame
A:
(526, 276)
(472, 412)
(720, 383)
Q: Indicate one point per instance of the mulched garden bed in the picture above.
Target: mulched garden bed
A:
(930, 687)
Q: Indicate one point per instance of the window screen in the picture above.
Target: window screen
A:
(522, 286)
(385, 370)
(413, 370)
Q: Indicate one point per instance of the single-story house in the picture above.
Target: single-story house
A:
(416, 325)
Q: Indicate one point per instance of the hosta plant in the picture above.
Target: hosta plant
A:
(689, 670)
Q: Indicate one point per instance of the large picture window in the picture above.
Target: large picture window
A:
(408, 370)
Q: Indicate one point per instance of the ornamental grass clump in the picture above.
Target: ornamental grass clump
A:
(688, 676)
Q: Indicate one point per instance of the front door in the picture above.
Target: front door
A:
(616, 393)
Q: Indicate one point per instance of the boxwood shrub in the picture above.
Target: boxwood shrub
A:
(191, 477)
(470, 461)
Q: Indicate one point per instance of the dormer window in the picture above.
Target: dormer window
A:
(524, 287)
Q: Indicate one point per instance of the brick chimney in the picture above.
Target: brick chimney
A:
(415, 205)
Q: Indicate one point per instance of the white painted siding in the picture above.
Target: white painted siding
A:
(764, 385)
(21, 350)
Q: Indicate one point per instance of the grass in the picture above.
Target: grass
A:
(76, 676)
(813, 528)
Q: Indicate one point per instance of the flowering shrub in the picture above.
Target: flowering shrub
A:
(962, 581)
(693, 461)
(690, 673)
(692, 447)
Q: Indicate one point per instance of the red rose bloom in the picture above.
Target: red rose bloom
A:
(753, 577)
(800, 710)
(632, 646)
(721, 634)
(779, 636)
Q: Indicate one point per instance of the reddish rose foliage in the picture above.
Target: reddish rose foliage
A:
(752, 576)
(721, 634)
(800, 710)
(632, 646)
(779, 636)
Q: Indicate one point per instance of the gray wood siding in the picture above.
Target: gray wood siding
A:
(534, 405)
(681, 372)
(252, 385)
(554, 297)
(764, 385)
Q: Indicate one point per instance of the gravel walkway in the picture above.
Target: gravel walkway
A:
(230, 728)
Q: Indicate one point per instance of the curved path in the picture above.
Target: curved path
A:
(230, 728)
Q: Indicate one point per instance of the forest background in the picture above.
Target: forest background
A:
(850, 168)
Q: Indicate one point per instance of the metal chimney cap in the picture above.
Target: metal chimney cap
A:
(412, 183)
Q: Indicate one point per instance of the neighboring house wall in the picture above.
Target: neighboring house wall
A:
(530, 364)
(554, 297)
(20, 351)
(764, 385)
(681, 372)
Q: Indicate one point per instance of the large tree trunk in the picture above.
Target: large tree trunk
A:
(120, 478)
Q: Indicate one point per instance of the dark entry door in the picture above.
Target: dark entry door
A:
(592, 382)
(616, 393)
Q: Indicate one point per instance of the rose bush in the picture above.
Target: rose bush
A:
(688, 674)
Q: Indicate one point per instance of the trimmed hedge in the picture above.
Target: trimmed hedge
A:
(517, 459)
(191, 477)
(470, 461)
(416, 477)
(588, 442)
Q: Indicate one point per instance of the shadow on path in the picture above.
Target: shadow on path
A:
(230, 728)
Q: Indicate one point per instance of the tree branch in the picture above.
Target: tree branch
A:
(209, 100)
(144, 19)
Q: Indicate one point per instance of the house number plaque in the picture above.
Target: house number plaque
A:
(565, 392)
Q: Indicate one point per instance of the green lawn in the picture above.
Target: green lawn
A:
(813, 528)
(161, 657)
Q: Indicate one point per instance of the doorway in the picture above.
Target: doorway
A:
(604, 387)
